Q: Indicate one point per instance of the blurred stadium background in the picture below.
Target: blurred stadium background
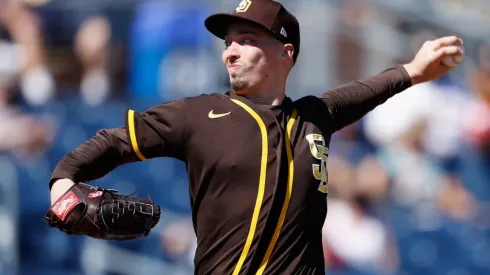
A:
(409, 183)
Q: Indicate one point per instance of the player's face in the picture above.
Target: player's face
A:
(252, 57)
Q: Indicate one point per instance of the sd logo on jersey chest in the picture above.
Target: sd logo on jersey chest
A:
(319, 151)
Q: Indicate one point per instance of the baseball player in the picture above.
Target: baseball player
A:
(256, 160)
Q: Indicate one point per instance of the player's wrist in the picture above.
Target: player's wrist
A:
(414, 73)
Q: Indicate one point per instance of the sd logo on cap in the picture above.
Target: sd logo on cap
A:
(243, 6)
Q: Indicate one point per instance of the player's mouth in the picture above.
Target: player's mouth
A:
(233, 67)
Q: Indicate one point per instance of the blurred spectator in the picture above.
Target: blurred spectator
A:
(179, 242)
(40, 26)
(91, 47)
(355, 236)
(474, 160)
(478, 123)
(22, 134)
(456, 201)
(83, 29)
(25, 55)
(418, 181)
(350, 51)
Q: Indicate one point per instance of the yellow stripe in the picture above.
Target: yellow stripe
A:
(260, 195)
(132, 135)
(285, 206)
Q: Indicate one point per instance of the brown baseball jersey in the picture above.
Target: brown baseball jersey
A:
(257, 173)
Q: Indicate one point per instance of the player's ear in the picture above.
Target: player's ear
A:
(288, 51)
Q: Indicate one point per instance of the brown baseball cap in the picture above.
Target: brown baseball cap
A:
(267, 14)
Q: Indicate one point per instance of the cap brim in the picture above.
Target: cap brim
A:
(218, 24)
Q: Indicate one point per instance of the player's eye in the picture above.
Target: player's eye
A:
(241, 41)
(247, 41)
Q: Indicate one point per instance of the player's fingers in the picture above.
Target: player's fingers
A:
(446, 41)
(447, 51)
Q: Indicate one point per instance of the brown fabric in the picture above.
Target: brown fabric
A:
(222, 145)
(270, 15)
(159, 130)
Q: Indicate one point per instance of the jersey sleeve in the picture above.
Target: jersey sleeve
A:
(158, 132)
(350, 102)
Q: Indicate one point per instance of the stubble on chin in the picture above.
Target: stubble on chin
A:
(237, 84)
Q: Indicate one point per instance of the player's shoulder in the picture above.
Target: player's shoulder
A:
(310, 104)
(312, 109)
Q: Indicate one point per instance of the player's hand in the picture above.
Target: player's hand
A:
(429, 62)
(59, 188)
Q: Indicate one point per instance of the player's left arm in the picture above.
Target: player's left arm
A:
(157, 132)
(350, 102)
(79, 208)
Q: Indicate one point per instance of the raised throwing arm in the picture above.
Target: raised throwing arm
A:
(350, 102)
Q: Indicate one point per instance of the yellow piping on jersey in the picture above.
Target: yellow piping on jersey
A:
(285, 205)
(260, 195)
(132, 135)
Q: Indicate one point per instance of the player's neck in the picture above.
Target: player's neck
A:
(272, 97)
(274, 101)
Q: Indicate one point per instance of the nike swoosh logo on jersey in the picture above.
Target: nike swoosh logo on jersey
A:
(212, 115)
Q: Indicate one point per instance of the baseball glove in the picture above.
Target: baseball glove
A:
(102, 214)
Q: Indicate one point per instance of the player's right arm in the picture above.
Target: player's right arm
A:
(158, 132)
(350, 102)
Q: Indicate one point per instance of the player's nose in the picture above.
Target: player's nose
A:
(231, 53)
